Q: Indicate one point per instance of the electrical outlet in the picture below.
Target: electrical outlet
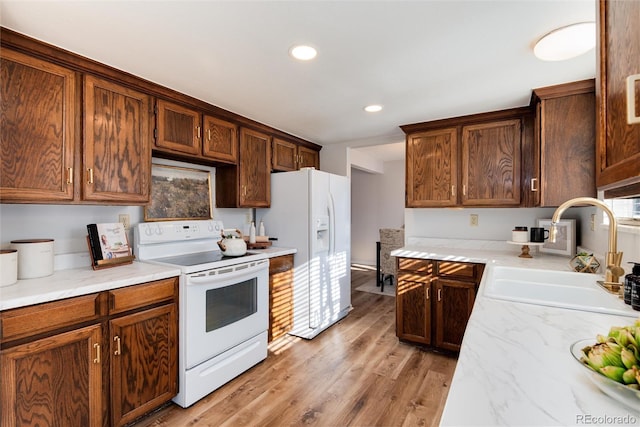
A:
(248, 218)
(125, 220)
(473, 220)
(593, 222)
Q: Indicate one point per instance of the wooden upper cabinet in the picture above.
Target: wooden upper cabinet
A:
(117, 151)
(254, 169)
(178, 128)
(565, 140)
(431, 168)
(287, 156)
(220, 140)
(491, 163)
(308, 158)
(38, 129)
(618, 138)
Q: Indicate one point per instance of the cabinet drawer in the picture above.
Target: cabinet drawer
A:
(417, 265)
(41, 318)
(132, 297)
(280, 264)
(460, 270)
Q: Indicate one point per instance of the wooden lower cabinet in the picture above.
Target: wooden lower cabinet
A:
(434, 300)
(53, 381)
(280, 296)
(69, 375)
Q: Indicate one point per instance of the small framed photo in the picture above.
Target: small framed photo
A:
(565, 243)
(178, 194)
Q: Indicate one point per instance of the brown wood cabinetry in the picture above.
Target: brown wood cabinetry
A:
(247, 185)
(178, 128)
(434, 301)
(63, 369)
(280, 296)
(618, 141)
(288, 156)
(491, 163)
(465, 161)
(564, 143)
(38, 129)
(186, 131)
(117, 152)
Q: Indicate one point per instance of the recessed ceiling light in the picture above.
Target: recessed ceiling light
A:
(373, 108)
(303, 52)
(566, 42)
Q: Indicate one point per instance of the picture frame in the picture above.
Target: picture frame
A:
(179, 193)
(565, 243)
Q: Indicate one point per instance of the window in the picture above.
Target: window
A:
(627, 211)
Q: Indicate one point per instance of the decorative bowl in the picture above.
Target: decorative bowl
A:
(620, 392)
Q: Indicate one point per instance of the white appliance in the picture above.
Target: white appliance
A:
(223, 303)
(311, 211)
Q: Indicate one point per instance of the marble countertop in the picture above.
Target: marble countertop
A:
(74, 282)
(515, 367)
(80, 281)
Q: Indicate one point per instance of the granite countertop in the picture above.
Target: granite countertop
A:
(515, 367)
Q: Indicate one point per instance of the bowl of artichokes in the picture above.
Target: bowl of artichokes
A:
(612, 363)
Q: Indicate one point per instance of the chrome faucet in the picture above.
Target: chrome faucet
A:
(613, 257)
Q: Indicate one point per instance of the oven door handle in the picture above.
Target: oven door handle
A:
(200, 278)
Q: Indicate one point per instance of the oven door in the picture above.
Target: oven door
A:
(223, 308)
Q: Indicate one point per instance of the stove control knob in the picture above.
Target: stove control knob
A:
(148, 231)
(158, 230)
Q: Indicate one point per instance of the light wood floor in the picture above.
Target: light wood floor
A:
(356, 373)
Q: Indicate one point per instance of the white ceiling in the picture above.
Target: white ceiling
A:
(422, 60)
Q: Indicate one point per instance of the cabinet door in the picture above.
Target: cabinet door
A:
(431, 172)
(308, 158)
(53, 381)
(220, 140)
(618, 158)
(285, 155)
(38, 129)
(178, 128)
(453, 304)
(491, 164)
(567, 148)
(255, 169)
(117, 153)
(143, 362)
(280, 296)
(413, 306)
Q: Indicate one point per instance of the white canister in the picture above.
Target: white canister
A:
(520, 234)
(35, 257)
(8, 267)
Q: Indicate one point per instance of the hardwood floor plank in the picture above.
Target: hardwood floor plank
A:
(356, 373)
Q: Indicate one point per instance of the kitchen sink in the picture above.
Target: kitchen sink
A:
(563, 289)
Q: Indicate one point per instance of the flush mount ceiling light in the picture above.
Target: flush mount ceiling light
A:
(566, 42)
(303, 52)
(373, 108)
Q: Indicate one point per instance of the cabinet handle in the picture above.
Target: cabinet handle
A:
(428, 289)
(209, 134)
(453, 190)
(198, 131)
(117, 340)
(97, 359)
(69, 175)
(632, 114)
(534, 181)
(90, 171)
(439, 295)
(464, 189)
(244, 190)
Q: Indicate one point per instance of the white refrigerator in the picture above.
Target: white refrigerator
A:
(311, 211)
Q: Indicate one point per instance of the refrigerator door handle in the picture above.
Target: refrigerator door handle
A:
(332, 225)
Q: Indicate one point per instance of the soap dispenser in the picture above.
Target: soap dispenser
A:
(632, 287)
